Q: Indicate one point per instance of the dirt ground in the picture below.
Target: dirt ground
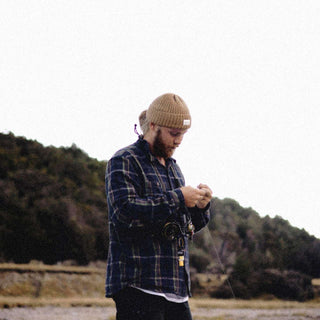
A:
(108, 313)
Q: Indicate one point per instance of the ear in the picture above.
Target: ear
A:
(153, 126)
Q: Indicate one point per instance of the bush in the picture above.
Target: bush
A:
(291, 285)
(199, 260)
(288, 285)
(229, 290)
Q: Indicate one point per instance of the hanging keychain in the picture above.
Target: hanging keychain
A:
(181, 251)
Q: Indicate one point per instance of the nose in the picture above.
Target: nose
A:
(178, 140)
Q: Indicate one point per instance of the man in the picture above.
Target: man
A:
(151, 216)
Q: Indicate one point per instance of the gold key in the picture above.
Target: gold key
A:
(181, 261)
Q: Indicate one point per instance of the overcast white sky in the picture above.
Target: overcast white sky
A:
(81, 72)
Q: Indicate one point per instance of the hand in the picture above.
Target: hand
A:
(203, 202)
(192, 196)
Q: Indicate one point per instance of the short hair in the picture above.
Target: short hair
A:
(143, 122)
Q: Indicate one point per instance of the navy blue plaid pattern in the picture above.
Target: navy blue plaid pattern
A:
(142, 195)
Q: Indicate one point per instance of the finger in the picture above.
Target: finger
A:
(207, 192)
(200, 198)
(198, 201)
(204, 187)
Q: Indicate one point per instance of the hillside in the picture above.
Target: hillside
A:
(52, 203)
(238, 234)
(53, 208)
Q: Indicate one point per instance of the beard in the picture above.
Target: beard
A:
(160, 150)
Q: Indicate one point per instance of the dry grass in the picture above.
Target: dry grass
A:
(48, 268)
(65, 286)
(51, 284)
(316, 282)
(195, 303)
(12, 302)
(210, 279)
(251, 304)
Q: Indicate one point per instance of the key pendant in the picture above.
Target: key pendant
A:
(181, 258)
(181, 261)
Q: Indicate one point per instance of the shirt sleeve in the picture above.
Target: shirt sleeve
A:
(128, 206)
(200, 217)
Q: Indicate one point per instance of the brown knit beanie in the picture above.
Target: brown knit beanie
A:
(170, 111)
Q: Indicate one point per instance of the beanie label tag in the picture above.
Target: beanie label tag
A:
(186, 122)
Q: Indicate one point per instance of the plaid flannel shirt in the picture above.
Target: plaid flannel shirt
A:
(142, 195)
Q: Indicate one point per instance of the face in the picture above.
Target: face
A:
(166, 141)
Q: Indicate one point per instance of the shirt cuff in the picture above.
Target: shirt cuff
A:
(205, 208)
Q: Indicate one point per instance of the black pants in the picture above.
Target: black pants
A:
(133, 304)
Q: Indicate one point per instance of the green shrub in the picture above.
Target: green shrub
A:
(288, 285)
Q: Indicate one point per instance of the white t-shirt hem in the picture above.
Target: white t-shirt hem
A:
(168, 296)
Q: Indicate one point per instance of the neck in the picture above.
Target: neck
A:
(148, 138)
(162, 161)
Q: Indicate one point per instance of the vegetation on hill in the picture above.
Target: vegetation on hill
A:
(261, 255)
(240, 236)
(52, 203)
(53, 208)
